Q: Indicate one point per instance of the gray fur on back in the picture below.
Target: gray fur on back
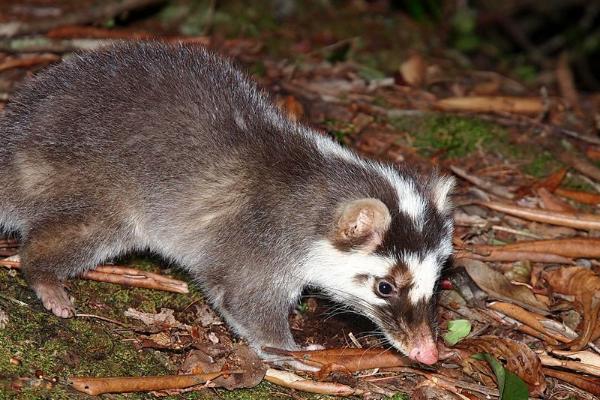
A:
(172, 149)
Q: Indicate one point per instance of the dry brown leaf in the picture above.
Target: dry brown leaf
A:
(519, 359)
(550, 183)
(292, 107)
(413, 70)
(584, 284)
(581, 197)
(499, 287)
(553, 203)
(164, 319)
(346, 360)
(241, 358)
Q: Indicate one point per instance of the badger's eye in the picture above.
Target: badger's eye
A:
(384, 288)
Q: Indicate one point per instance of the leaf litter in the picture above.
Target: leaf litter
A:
(519, 325)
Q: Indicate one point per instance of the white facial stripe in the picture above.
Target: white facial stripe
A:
(410, 202)
(425, 273)
(333, 270)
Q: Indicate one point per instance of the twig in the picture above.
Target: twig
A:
(549, 361)
(515, 231)
(483, 104)
(120, 275)
(482, 183)
(510, 256)
(578, 221)
(96, 386)
(112, 321)
(26, 62)
(589, 384)
(84, 15)
(576, 247)
(527, 317)
(293, 381)
(566, 83)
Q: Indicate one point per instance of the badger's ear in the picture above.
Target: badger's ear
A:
(360, 224)
(440, 187)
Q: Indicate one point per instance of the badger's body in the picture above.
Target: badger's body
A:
(171, 149)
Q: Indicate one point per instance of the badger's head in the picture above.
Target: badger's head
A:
(384, 258)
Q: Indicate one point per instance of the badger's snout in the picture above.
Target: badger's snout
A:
(424, 351)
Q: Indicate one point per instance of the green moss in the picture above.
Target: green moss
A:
(340, 130)
(458, 136)
(542, 165)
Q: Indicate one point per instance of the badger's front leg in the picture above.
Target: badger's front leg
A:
(258, 313)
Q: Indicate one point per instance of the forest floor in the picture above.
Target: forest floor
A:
(522, 141)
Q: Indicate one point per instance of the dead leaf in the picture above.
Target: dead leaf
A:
(345, 360)
(240, 358)
(164, 319)
(581, 197)
(206, 316)
(292, 107)
(499, 287)
(413, 70)
(519, 358)
(553, 203)
(584, 284)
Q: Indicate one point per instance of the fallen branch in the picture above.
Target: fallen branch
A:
(528, 318)
(589, 384)
(483, 184)
(566, 83)
(497, 104)
(573, 365)
(120, 275)
(293, 381)
(578, 221)
(84, 15)
(577, 161)
(502, 255)
(581, 197)
(26, 62)
(96, 386)
(571, 247)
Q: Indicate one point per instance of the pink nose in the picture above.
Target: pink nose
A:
(427, 353)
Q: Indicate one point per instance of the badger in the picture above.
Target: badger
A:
(172, 149)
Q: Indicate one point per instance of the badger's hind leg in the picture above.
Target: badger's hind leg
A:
(57, 248)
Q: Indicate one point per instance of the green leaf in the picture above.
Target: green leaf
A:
(458, 329)
(514, 387)
(510, 386)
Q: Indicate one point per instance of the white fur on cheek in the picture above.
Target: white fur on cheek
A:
(425, 274)
(335, 271)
